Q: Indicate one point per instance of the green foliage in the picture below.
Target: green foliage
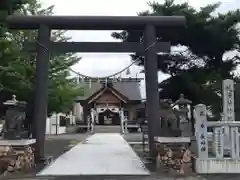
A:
(9, 6)
(206, 38)
(17, 68)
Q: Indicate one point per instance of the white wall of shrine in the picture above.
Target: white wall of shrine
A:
(78, 111)
(53, 125)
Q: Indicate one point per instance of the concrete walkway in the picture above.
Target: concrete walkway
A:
(100, 154)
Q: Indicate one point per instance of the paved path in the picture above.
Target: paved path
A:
(100, 154)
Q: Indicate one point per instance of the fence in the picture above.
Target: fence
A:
(221, 155)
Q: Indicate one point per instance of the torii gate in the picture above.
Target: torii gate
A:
(45, 24)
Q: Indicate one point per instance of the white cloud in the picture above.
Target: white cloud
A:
(105, 64)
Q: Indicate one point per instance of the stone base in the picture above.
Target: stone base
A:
(214, 166)
(173, 140)
(16, 155)
(20, 142)
(174, 154)
(13, 135)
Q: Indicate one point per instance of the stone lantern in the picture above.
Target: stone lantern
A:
(14, 119)
(169, 126)
(183, 108)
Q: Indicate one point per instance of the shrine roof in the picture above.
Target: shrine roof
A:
(130, 89)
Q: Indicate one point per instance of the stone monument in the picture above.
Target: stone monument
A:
(172, 148)
(211, 158)
(222, 155)
(15, 147)
(182, 112)
(228, 111)
(14, 120)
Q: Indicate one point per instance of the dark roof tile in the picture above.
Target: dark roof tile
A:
(129, 89)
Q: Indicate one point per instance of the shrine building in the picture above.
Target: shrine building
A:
(109, 99)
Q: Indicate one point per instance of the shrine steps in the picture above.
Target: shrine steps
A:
(107, 129)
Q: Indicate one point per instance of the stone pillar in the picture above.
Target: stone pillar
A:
(234, 139)
(41, 89)
(228, 110)
(218, 142)
(200, 115)
(151, 78)
(228, 100)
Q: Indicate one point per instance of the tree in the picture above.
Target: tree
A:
(9, 6)
(6, 8)
(201, 66)
(18, 68)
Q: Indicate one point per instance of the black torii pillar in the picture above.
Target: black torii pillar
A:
(151, 79)
(41, 90)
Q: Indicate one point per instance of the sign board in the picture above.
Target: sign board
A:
(201, 130)
(225, 136)
(228, 110)
(228, 100)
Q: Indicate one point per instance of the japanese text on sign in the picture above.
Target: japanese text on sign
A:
(203, 140)
(201, 130)
(228, 100)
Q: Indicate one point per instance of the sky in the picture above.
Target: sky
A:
(99, 65)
